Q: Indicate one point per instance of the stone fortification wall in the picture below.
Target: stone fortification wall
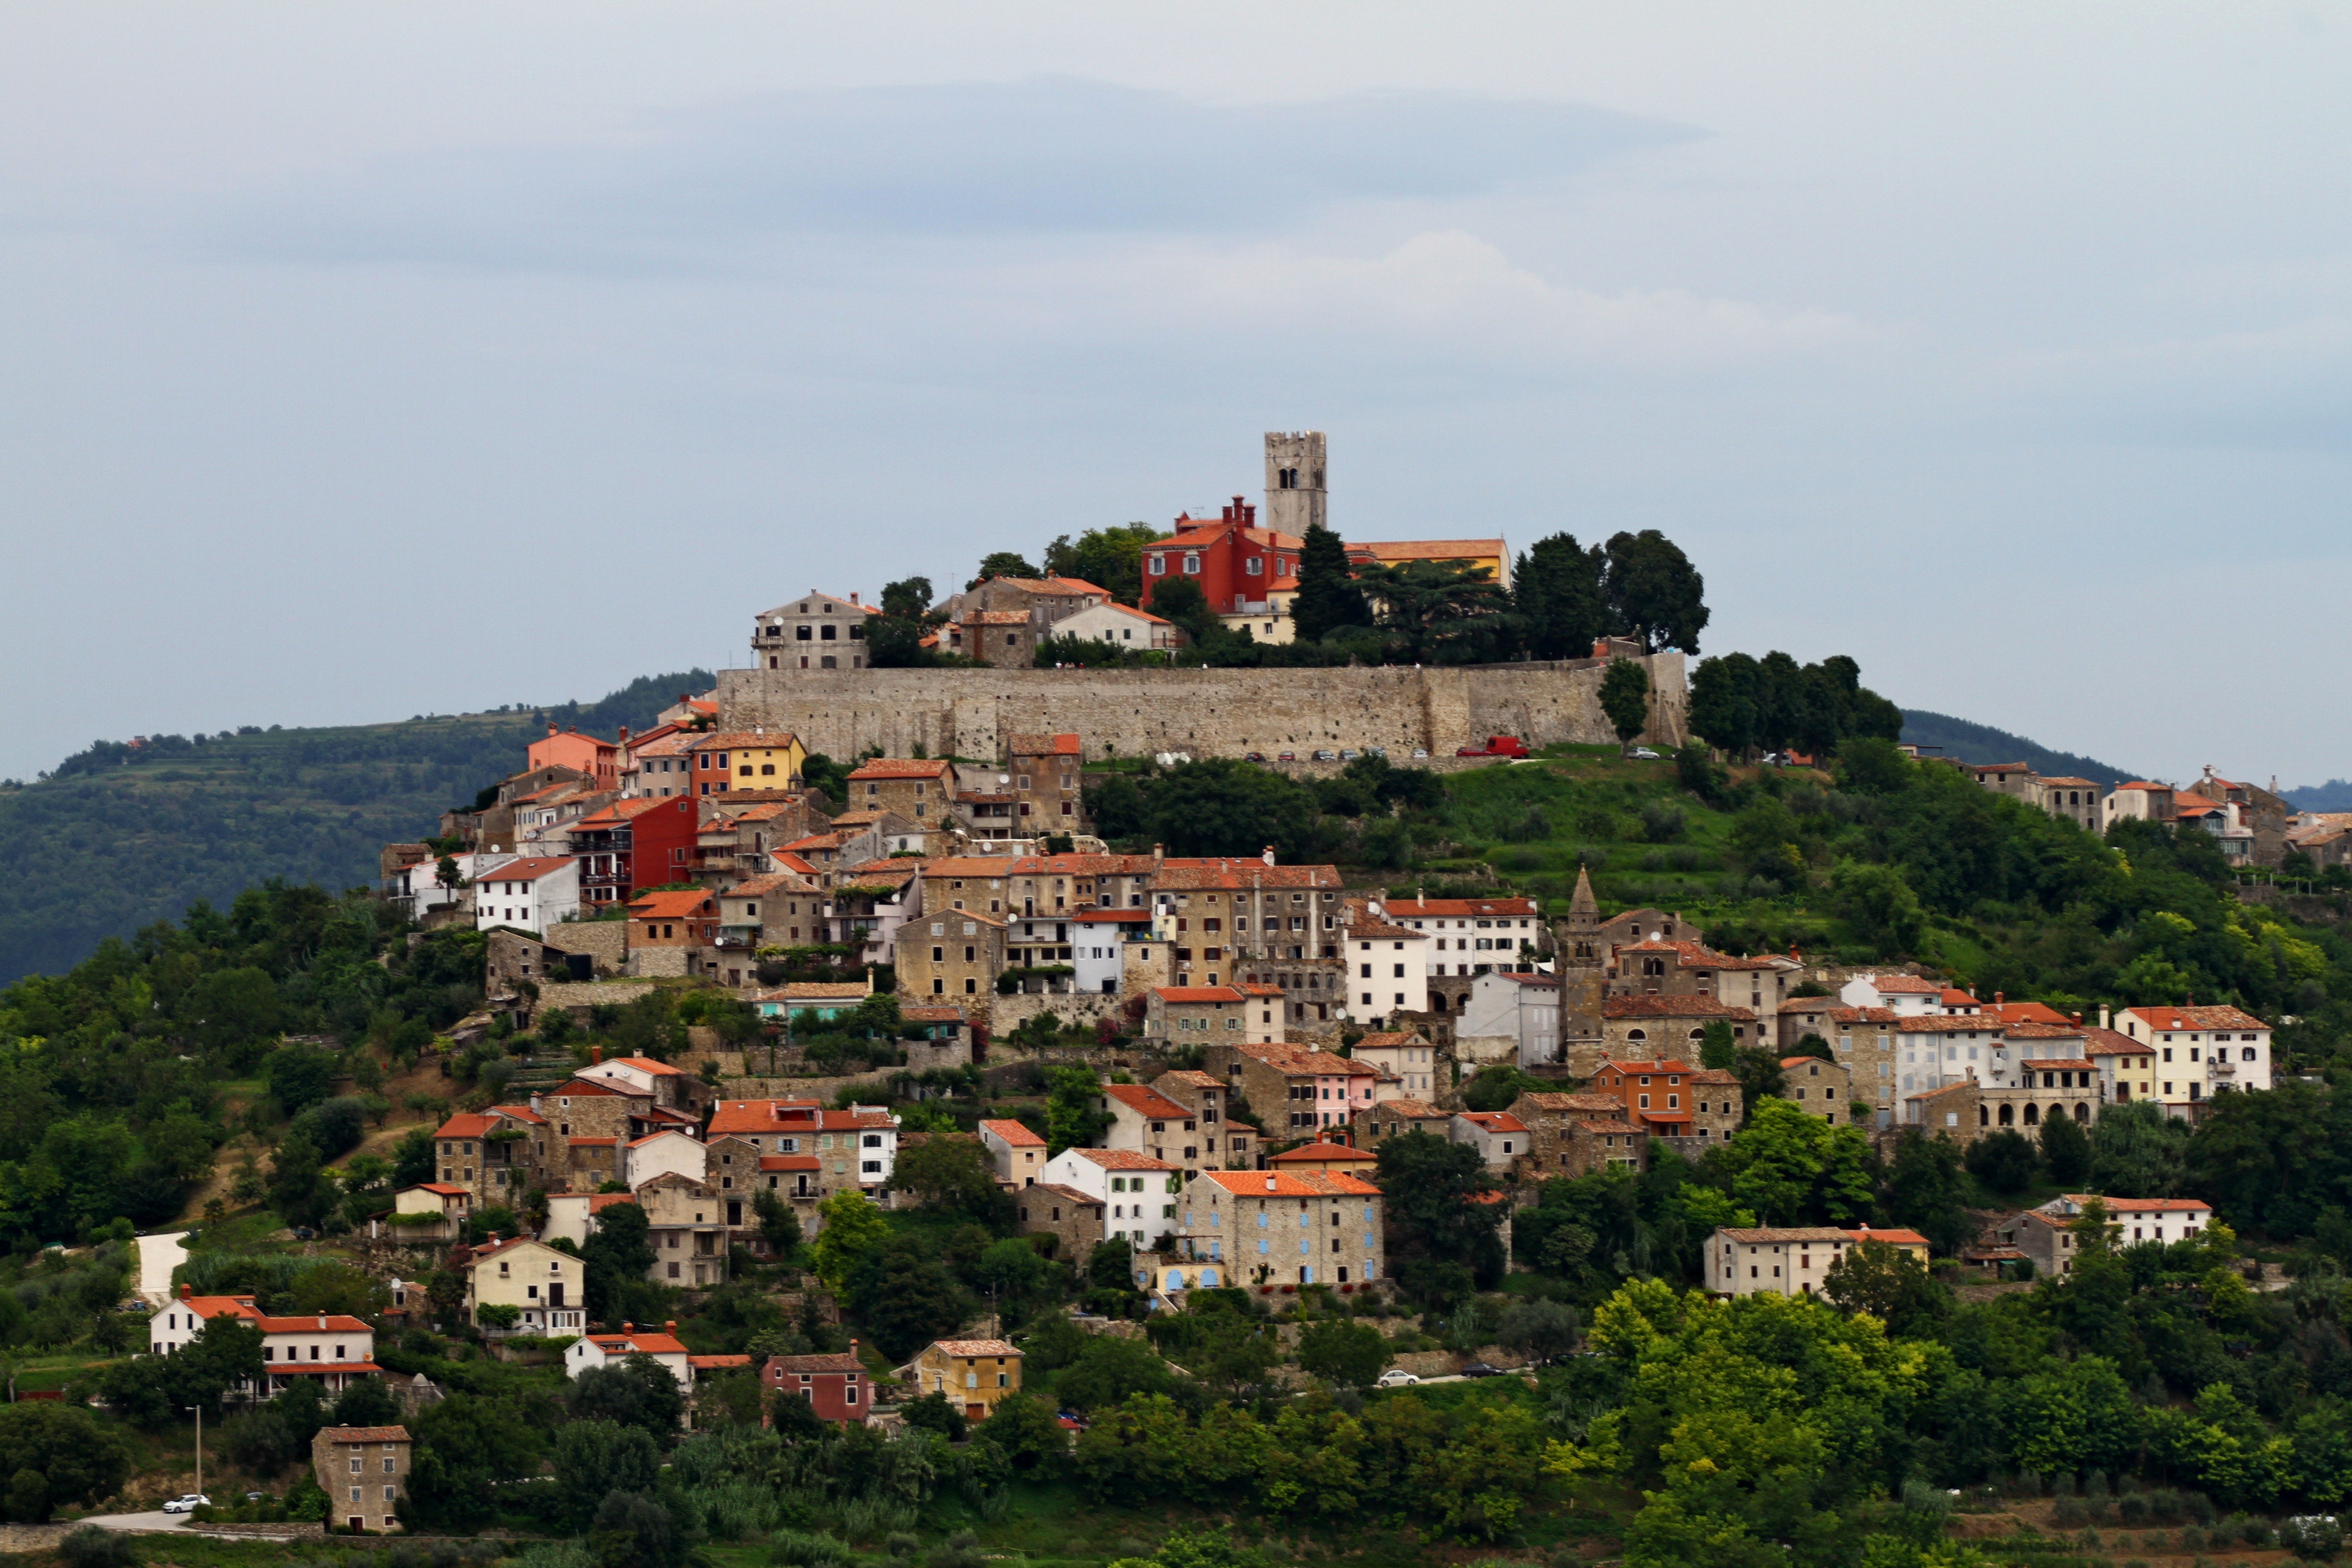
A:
(1207, 712)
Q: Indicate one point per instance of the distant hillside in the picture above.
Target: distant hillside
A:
(117, 837)
(1982, 743)
(2335, 795)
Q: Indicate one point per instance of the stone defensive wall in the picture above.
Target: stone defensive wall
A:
(1204, 712)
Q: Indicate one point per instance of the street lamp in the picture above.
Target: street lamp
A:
(200, 1446)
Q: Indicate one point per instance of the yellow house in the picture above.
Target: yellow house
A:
(1495, 555)
(745, 760)
(545, 1287)
(978, 1372)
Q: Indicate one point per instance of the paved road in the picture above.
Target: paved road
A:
(157, 1519)
(158, 1256)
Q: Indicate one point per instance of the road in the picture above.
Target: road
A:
(158, 1256)
(157, 1519)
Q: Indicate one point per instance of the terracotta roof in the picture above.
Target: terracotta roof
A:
(788, 1162)
(1092, 917)
(758, 1115)
(364, 1434)
(1014, 1134)
(466, 1124)
(684, 905)
(1120, 1160)
(1932, 1093)
(932, 1015)
(593, 1086)
(969, 865)
(1175, 995)
(1428, 549)
(1951, 1023)
(440, 1189)
(880, 767)
(644, 1064)
(1144, 1100)
(1236, 874)
(835, 600)
(1307, 1153)
(1291, 1184)
(1792, 1061)
(741, 740)
(840, 1360)
(1647, 1006)
(2058, 1064)
(1765, 1234)
(993, 617)
(2144, 784)
(1038, 744)
(333, 1322)
(767, 882)
(1363, 924)
(1387, 1039)
(1714, 1075)
(637, 1344)
(1856, 1015)
(1495, 1120)
(716, 1363)
(1070, 1194)
(1653, 1066)
(2043, 1030)
(1405, 1109)
(1053, 586)
(2212, 1017)
(2108, 1042)
(1466, 908)
(1903, 986)
(975, 1347)
(1195, 1077)
(1298, 1062)
(1544, 1102)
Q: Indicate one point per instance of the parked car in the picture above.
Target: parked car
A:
(1642, 754)
(1349, 756)
(1496, 745)
(1325, 757)
(1420, 754)
(188, 1504)
(1255, 757)
(1480, 1369)
(1288, 757)
(1379, 751)
(1397, 1377)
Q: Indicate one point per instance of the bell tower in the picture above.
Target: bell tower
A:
(1581, 966)
(1296, 499)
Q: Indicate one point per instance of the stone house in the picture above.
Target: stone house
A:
(1500, 1138)
(1376, 1124)
(1225, 1143)
(950, 953)
(815, 632)
(1657, 1093)
(1126, 629)
(1573, 1134)
(442, 1208)
(1301, 1227)
(1148, 1122)
(499, 1154)
(1046, 795)
(977, 1374)
(921, 789)
(902, 837)
(1819, 1088)
(1315, 1089)
(545, 1287)
(690, 1224)
(1790, 1260)
(1646, 1025)
(1212, 1015)
(365, 1471)
(1407, 1061)
(686, 918)
(1074, 1219)
(1719, 1111)
(1662, 968)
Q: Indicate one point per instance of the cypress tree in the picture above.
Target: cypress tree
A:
(1328, 597)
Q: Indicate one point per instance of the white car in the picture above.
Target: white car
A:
(1642, 754)
(1397, 1377)
(188, 1504)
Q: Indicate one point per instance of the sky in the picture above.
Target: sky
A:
(364, 361)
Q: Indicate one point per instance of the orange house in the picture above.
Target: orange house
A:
(1656, 1094)
(686, 919)
(600, 760)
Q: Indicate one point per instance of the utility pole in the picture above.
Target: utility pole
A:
(200, 1448)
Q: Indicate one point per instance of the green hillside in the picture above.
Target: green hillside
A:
(117, 837)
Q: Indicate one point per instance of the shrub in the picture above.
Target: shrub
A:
(795, 1549)
(93, 1547)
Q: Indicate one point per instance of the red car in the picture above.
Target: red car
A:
(1496, 745)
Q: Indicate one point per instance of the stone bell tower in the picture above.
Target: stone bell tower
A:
(1296, 499)
(1581, 966)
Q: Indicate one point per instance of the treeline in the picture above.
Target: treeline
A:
(1221, 806)
(109, 1101)
(1742, 704)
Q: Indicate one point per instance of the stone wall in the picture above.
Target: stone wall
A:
(1204, 711)
(581, 994)
(604, 941)
(1006, 1014)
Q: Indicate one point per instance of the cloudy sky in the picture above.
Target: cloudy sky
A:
(368, 360)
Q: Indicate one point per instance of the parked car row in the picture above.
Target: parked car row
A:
(1420, 754)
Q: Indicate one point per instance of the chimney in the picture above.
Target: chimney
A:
(628, 1328)
(1266, 854)
(670, 1327)
(551, 727)
(596, 1056)
(2103, 1015)
(1999, 998)
(1269, 1183)
(187, 1293)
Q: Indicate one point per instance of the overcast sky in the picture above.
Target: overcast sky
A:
(361, 360)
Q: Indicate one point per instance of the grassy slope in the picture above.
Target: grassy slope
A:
(92, 855)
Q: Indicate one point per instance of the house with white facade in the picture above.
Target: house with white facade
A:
(1906, 996)
(1407, 1061)
(532, 894)
(1524, 1007)
(1386, 967)
(1138, 1193)
(2199, 1052)
(605, 1349)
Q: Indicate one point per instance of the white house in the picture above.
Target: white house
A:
(336, 1349)
(1407, 1062)
(530, 894)
(1940, 1049)
(1905, 996)
(1138, 1192)
(418, 886)
(1123, 626)
(1018, 1153)
(1474, 936)
(638, 1074)
(603, 1349)
(1387, 969)
(1789, 1260)
(1097, 946)
(667, 1152)
(571, 1216)
(2139, 1218)
(1497, 1136)
(1522, 1006)
(2199, 1052)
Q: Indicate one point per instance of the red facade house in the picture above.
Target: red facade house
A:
(634, 843)
(1235, 562)
(835, 1385)
(599, 759)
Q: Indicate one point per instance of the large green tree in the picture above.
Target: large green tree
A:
(1108, 557)
(1625, 698)
(1438, 612)
(1328, 599)
(1436, 1197)
(71, 1458)
(1655, 595)
(1556, 591)
(615, 1261)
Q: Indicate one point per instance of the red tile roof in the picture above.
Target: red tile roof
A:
(1493, 1121)
(527, 870)
(2168, 1018)
(466, 1124)
(1318, 1151)
(1013, 1132)
(1464, 908)
(1144, 1100)
(881, 767)
(1178, 995)
(1291, 1184)
(1121, 1160)
(687, 904)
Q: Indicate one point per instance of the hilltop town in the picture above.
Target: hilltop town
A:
(1017, 1055)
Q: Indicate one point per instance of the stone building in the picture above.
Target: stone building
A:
(1647, 1026)
(975, 1374)
(951, 953)
(1305, 1228)
(1388, 1119)
(1046, 783)
(1297, 470)
(1074, 1219)
(1574, 1134)
(365, 1471)
(1717, 1111)
(922, 790)
(813, 633)
(1818, 1088)
(1295, 1093)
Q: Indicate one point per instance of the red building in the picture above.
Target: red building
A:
(834, 1385)
(1235, 562)
(634, 843)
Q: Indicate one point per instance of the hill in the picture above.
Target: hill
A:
(2335, 795)
(1958, 737)
(118, 837)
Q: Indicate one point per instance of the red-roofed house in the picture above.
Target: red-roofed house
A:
(335, 1348)
(530, 893)
(836, 1384)
(1500, 1138)
(1147, 1122)
(920, 789)
(439, 1210)
(1211, 1015)
(604, 1349)
(1018, 1154)
(1270, 1229)
(634, 843)
(2138, 800)
(1656, 1093)
(1314, 1089)
(1233, 559)
(686, 919)
(1823, 1089)
(2201, 1052)
(1141, 1192)
(600, 761)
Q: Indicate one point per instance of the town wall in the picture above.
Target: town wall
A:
(1204, 712)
